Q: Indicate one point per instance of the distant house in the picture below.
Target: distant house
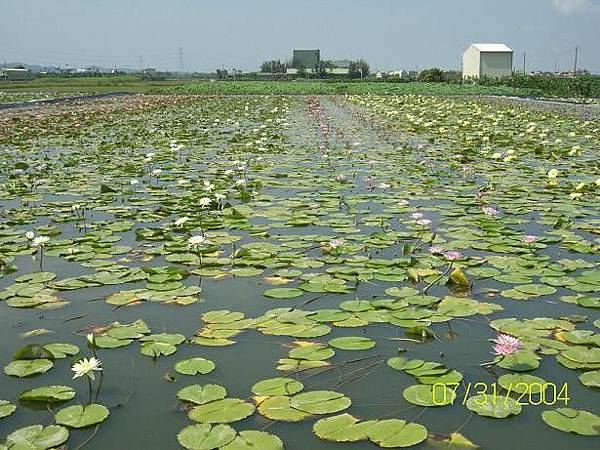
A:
(15, 74)
(487, 60)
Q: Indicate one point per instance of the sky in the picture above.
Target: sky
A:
(389, 34)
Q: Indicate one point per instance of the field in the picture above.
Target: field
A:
(299, 271)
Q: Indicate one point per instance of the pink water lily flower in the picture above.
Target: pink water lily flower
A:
(529, 239)
(506, 345)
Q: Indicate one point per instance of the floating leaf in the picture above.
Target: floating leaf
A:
(205, 436)
(222, 411)
(352, 343)
(396, 433)
(281, 293)
(202, 394)
(36, 437)
(277, 386)
(342, 428)
(194, 366)
(590, 379)
(6, 408)
(28, 367)
(320, 402)
(573, 421)
(278, 408)
(48, 394)
(80, 416)
(429, 395)
(254, 440)
(498, 407)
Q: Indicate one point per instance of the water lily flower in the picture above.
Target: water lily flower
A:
(490, 211)
(241, 182)
(182, 181)
(384, 186)
(403, 202)
(576, 195)
(220, 197)
(40, 241)
(86, 367)
(417, 215)
(156, 172)
(335, 243)
(204, 202)
(506, 345)
(197, 240)
(436, 250)
(29, 235)
(150, 155)
(341, 177)
(133, 182)
(423, 222)
(179, 222)
(529, 239)
(76, 207)
(553, 174)
(453, 254)
(208, 186)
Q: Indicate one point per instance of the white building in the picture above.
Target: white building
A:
(487, 60)
(15, 74)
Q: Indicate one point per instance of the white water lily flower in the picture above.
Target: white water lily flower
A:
(86, 367)
(29, 235)
(197, 240)
(156, 172)
(91, 339)
(76, 207)
(552, 174)
(40, 241)
(241, 182)
(179, 222)
(220, 197)
(133, 182)
(208, 186)
(204, 201)
(183, 181)
(150, 155)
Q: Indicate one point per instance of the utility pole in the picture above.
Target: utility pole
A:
(524, 62)
(575, 64)
(180, 59)
(141, 62)
(555, 67)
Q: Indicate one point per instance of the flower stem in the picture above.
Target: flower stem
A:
(446, 272)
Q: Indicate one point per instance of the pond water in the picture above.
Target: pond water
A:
(315, 229)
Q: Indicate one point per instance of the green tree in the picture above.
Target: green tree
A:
(273, 66)
(433, 75)
(301, 70)
(359, 69)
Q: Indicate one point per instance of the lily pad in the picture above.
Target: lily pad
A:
(277, 386)
(226, 410)
(282, 293)
(429, 395)
(573, 421)
(80, 416)
(194, 366)
(6, 408)
(497, 407)
(48, 394)
(201, 395)
(36, 437)
(28, 367)
(254, 440)
(396, 433)
(205, 436)
(320, 402)
(352, 343)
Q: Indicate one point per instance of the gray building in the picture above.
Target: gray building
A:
(15, 74)
(307, 58)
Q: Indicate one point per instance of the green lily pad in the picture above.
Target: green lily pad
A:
(254, 440)
(352, 343)
(222, 411)
(201, 395)
(194, 366)
(590, 379)
(80, 416)
(61, 350)
(36, 437)
(28, 367)
(497, 407)
(6, 408)
(522, 383)
(429, 395)
(320, 402)
(573, 421)
(278, 408)
(342, 428)
(205, 436)
(396, 433)
(48, 394)
(277, 386)
(282, 293)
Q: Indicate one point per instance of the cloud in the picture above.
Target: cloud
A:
(570, 6)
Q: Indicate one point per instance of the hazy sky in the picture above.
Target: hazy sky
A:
(389, 34)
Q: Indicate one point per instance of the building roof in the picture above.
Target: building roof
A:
(492, 48)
